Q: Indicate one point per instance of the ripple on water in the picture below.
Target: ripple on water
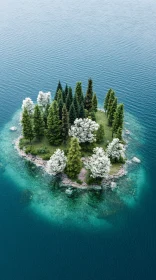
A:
(85, 209)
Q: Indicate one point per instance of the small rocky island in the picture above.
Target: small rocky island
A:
(71, 138)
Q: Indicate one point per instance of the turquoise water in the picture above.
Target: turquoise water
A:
(91, 236)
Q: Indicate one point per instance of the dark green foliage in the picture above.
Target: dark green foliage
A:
(65, 123)
(79, 181)
(110, 102)
(59, 87)
(119, 133)
(27, 126)
(54, 126)
(118, 118)
(76, 106)
(72, 114)
(106, 101)
(45, 115)
(82, 111)
(46, 157)
(38, 123)
(89, 96)
(94, 103)
(100, 134)
(31, 150)
(69, 99)
(92, 116)
(43, 150)
(88, 147)
(59, 96)
(66, 90)
(92, 181)
(112, 111)
(78, 92)
(60, 106)
(64, 96)
(74, 163)
(86, 113)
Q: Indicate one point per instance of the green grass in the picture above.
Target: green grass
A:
(38, 145)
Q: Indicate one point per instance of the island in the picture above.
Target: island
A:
(71, 138)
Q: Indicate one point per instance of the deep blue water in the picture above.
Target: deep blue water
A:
(114, 43)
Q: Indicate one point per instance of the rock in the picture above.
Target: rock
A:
(127, 132)
(69, 191)
(13, 128)
(113, 185)
(135, 159)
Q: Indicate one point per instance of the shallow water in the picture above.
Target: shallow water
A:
(92, 236)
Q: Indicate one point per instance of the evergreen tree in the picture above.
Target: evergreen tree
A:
(72, 114)
(66, 90)
(64, 96)
(76, 105)
(59, 86)
(59, 96)
(94, 103)
(60, 106)
(119, 133)
(69, 99)
(110, 102)
(118, 118)
(27, 125)
(78, 92)
(45, 114)
(54, 126)
(92, 116)
(38, 123)
(89, 96)
(106, 101)
(112, 111)
(100, 134)
(70, 93)
(82, 111)
(65, 123)
(74, 163)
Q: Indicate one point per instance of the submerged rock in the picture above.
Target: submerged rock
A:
(13, 128)
(113, 185)
(136, 160)
(69, 191)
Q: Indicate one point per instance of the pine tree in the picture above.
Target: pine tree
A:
(66, 90)
(100, 134)
(78, 92)
(76, 105)
(106, 101)
(92, 116)
(69, 99)
(60, 106)
(119, 133)
(38, 123)
(118, 118)
(112, 111)
(59, 96)
(110, 102)
(45, 114)
(89, 96)
(54, 126)
(72, 114)
(65, 124)
(64, 96)
(74, 163)
(27, 125)
(59, 86)
(94, 103)
(82, 111)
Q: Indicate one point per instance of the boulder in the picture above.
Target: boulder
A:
(69, 191)
(13, 128)
(127, 132)
(136, 160)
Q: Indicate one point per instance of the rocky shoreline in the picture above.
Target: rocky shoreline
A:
(109, 181)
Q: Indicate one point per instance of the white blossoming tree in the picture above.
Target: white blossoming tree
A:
(43, 99)
(116, 151)
(98, 164)
(28, 104)
(57, 163)
(83, 130)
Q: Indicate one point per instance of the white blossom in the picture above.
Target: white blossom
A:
(83, 130)
(98, 164)
(57, 163)
(28, 104)
(115, 150)
(43, 98)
